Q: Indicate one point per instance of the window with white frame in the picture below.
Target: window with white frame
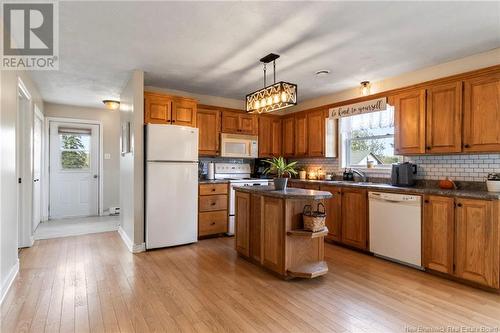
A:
(368, 140)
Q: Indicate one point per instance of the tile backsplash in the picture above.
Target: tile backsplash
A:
(468, 167)
(457, 167)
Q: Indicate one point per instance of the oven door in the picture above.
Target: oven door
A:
(240, 146)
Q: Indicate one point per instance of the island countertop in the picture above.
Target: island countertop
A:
(289, 193)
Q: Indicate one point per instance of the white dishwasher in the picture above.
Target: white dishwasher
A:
(395, 227)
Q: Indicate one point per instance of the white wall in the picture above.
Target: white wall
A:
(477, 61)
(203, 99)
(132, 164)
(8, 178)
(110, 120)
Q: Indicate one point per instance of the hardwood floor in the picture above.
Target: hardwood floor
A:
(92, 283)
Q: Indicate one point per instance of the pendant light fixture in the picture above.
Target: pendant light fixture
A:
(276, 96)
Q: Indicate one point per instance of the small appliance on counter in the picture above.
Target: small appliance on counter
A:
(259, 167)
(403, 174)
(493, 182)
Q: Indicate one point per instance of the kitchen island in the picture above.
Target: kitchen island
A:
(269, 230)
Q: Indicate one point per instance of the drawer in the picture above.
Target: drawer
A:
(213, 202)
(210, 223)
(210, 189)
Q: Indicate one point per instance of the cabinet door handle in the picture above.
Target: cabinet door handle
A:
(173, 121)
(428, 147)
(459, 205)
(426, 201)
(213, 203)
(213, 223)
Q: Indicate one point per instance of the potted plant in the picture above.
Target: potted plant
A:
(282, 170)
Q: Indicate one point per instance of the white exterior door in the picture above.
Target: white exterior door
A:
(74, 169)
(37, 169)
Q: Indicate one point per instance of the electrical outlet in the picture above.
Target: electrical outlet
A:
(107, 156)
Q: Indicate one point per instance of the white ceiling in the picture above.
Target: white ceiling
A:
(214, 48)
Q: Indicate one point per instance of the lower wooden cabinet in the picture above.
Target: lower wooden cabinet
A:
(462, 238)
(438, 233)
(242, 223)
(333, 212)
(212, 209)
(355, 217)
(477, 241)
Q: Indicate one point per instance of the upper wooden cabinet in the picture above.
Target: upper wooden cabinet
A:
(355, 217)
(165, 109)
(184, 112)
(157, 108)
(288, 143)
(482, 114)
(409, 122)
(316, 133)
(301, 137)
(444, 118)
(269, 136)
(438, 233)
(478, 241)
(239, 123)
(208, 123)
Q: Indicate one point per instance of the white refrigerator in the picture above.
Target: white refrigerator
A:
(171, 185)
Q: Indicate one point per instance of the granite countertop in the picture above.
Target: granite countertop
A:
(213, 181)
(419, 189)
(289, 193)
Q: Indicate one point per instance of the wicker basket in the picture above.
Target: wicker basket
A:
(314, 220)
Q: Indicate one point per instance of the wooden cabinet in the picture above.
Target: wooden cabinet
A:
(355, 217)
(157, 108)
(444, 118)
(165, 109)
(273, 234)
(288, 143)
(239, 123)
(242, 223)
(482, 114)
(409, 122)
(184, 112)
(333, 212)
(477, 241)
(208, 123)
(301, 137)
(212, 209)
(461, 237)
(438, 233)
(269, 136)
(316, 133)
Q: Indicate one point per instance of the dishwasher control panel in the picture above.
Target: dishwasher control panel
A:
(393, 196)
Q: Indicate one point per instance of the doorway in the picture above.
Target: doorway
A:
(37, 166)
(74, 169)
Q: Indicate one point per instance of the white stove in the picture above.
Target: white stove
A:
(237, 175)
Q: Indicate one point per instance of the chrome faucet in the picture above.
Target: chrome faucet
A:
(361, 174)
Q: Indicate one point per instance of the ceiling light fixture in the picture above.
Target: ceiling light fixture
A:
(276, 96)
(365, 88)
(111, 104)
(322, 72)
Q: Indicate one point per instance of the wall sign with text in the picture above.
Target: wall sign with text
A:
(372, 105)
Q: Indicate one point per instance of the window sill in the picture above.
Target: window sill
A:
(372, 170)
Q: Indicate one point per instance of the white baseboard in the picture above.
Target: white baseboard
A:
(8, 281)
(134, 248)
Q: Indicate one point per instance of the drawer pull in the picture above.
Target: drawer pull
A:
(213, 223)
(213, 203)
(213, 189)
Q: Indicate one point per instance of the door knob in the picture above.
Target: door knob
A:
(96, 176)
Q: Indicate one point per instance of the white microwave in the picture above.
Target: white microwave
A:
(240, 146)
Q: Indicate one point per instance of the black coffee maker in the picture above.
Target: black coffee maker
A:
(403, 174)
(259, 166)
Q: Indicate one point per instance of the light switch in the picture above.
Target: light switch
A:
(107, 156)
